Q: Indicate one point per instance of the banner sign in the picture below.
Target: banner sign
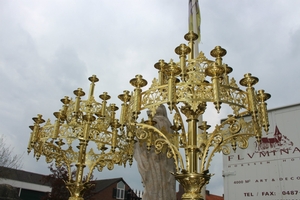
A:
(269, 170)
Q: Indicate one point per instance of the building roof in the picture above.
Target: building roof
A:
(213, 197)
(23, 176)
(29, 177)
(102, 184)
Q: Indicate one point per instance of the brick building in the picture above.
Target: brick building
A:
(110, 189)
(30, 186)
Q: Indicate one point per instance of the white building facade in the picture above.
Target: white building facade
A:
(269, 170)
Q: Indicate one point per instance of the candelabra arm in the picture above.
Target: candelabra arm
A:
(180, 120)
(92, 79)
(160, 142)
(238, 131)
(214, 138)
(191, 37)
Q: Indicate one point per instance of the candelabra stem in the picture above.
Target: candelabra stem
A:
(192, 144)
(78, 187)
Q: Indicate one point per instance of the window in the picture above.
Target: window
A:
(120, 190)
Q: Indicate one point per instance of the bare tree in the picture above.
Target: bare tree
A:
(7, 158)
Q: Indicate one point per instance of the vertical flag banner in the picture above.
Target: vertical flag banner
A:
(194, 18)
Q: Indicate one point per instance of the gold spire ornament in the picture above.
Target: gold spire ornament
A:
(187, 87)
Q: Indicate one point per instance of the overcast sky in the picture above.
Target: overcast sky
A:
(49, 48)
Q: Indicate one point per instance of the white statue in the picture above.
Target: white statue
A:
(154, 168)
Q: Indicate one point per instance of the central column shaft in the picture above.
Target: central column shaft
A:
(192, 144)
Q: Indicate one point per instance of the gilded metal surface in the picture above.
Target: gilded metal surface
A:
(202, 81)
(81, 136)
(187, 87)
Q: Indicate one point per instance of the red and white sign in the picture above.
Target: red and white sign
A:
(269, 170)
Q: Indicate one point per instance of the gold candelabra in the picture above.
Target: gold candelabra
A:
(186, 87)
(78, 124)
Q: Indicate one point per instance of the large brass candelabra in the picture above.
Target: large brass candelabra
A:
(78, 124)
(186, 87)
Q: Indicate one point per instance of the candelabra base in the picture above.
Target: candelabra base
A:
(76, 198)
(77, 189)
(192, 184)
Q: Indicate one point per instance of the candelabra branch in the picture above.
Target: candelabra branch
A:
(161, 139)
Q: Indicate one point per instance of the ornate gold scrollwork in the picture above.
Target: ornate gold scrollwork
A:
(187, 87)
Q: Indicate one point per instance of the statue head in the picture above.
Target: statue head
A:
(161, 111)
